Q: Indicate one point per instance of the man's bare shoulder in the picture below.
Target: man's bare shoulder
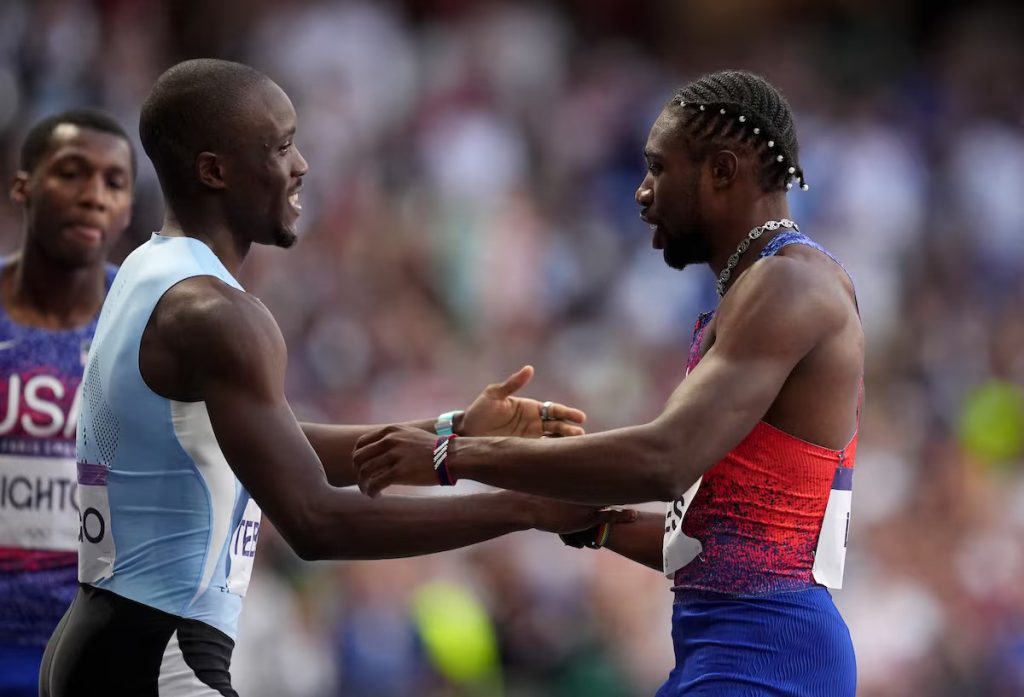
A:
(211, 322)
(802, 293)
(797, 274)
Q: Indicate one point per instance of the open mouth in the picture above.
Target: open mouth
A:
(293, 201)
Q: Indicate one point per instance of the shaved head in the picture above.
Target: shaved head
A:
(195, 106)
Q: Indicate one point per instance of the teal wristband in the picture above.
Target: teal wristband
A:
(445, 424)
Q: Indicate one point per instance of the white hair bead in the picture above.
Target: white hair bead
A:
(771, 143)
(757, 131)
(789, 186)
(792, 170)
(780, 158)
(805, 186)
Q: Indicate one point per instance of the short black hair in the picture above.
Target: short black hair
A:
(734, 107)
(39, 139)
(192, 108)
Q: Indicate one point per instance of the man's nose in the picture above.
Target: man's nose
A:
(93, 194)
(644, 194)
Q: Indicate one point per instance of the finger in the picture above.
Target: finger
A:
(375, 486)
(562, 428)
(371, 437)
(363, 477)
(617, 516)
(380, 480)
(363, 454)
(564, 413)
(513, 384)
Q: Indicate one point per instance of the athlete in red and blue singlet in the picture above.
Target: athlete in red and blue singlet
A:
(754, 449)
(75, 184)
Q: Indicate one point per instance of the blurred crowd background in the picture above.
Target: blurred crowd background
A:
(469, 209)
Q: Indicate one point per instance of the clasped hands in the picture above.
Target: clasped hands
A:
(403, 454)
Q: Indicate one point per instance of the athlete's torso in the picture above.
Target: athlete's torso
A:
(771, 516)
(165, 522)
(40, 378)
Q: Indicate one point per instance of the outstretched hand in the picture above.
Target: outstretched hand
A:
(496, 412)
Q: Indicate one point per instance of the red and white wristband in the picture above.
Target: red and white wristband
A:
(441, 450)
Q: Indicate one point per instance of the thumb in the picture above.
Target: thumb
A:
(513, 384)
(617, 516)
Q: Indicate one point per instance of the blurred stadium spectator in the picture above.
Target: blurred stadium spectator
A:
(470, 208)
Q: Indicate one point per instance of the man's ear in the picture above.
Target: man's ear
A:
(210, 170)
(725, 167)
(19, 187)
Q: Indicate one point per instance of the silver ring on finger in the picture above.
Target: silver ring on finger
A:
(545, 411)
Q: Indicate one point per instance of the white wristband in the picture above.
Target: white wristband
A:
(445, 424)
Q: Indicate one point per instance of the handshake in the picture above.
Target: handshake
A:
(409, 455)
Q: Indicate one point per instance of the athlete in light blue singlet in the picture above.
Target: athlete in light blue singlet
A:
(185, 432)
(75, 186)
(160, 504)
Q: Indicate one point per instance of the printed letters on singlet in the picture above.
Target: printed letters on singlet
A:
(679, 549)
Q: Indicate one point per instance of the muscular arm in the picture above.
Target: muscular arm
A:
(765, 328)
(236, 355)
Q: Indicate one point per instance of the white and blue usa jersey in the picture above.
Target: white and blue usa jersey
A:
(165, 522)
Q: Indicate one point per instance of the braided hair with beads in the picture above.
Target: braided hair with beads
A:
(737, 108)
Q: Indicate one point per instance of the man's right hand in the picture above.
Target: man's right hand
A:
(560, 517)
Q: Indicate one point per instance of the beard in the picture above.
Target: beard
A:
(284, 238)
(688, 244)
(687, 249)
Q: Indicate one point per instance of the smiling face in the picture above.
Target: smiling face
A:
(264, 169)
(671, 196)
(78, 197)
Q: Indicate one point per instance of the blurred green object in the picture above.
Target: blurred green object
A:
(992, 422)
(459, 637)
(591, 672)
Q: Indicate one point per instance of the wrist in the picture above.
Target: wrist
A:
(444, 450)
(594, 537)
(448, 423)
(461, 455)
(458, 423)
(523, 509)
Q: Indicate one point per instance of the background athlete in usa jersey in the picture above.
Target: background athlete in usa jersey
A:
(74, 184)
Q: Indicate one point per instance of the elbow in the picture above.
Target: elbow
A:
(667, 473)
(300, 531)
(306, 549)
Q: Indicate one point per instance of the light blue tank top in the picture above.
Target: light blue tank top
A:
(164, 520)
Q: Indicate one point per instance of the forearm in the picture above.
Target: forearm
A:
(334, 444)
(347, 525)
(640, 540)
(627, 465)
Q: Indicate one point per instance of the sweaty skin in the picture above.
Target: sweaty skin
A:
(208, 341)
(785, 346)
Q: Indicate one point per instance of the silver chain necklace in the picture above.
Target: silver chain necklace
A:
(771, 225)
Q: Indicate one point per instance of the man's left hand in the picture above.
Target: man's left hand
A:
(496, 412)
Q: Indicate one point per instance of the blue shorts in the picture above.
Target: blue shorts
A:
(792, 644)
(19, 671)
